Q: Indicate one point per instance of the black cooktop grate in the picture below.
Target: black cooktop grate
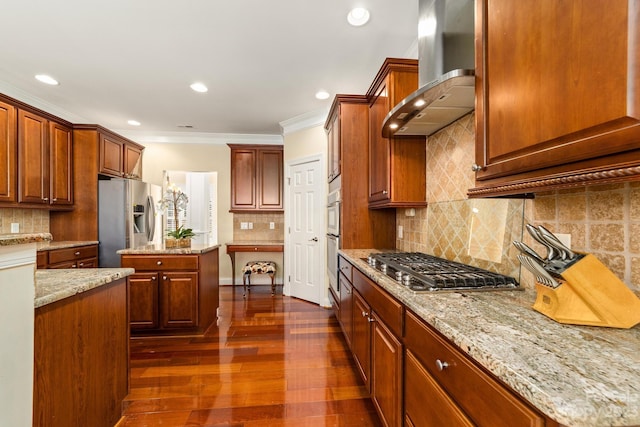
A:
(422, 272)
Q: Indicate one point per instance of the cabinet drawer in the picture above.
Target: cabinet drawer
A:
(345, 268)
(159, 262)
(80, 263)
(70, 254)
(389, 310)
(483, 399)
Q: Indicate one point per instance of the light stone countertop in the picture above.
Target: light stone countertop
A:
(22, 238)
(580, 376)
(55, 285)
(63, 244)
(159, 249)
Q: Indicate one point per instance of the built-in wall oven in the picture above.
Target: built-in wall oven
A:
(333, 237)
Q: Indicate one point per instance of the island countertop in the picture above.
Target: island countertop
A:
(159, 249)
(55, 285)
(580, 376)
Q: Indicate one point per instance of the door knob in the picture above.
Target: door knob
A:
(315, 239)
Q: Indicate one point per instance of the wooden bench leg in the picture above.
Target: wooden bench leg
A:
(246, 280)
(273, 283)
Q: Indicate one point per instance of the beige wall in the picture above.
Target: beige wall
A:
(305, 143)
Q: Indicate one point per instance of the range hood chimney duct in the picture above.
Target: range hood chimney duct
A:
(445, 70)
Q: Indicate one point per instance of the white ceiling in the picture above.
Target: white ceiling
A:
(263, 61)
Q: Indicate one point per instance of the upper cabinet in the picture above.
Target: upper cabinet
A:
(8, 153)
(333, 136)
(557, 95)
(256, 178)
(120, 157)
(397, 165)
(36, 151)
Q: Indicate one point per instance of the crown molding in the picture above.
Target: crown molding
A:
(39, 103)
(304, 121)
(143, 137)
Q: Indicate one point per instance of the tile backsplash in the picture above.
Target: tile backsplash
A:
(260, 223)
(601, 220)
(30, 220)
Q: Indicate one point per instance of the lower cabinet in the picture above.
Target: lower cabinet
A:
(415, 376)
(172, 293)
(346, 307)
(468, 394)
(75, 257)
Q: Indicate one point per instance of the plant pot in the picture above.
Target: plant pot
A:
(177, 243)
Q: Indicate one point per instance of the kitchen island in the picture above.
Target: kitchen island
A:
(173, 291)
(81, 346)
(575, 375)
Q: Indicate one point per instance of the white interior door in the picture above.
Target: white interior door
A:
(307, 231)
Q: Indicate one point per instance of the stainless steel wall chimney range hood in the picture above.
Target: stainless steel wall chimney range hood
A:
(446, 70)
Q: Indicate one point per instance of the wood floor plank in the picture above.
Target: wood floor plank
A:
(270, 361)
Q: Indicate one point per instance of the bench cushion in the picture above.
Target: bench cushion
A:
(259, 267)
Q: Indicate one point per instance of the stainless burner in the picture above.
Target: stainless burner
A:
(422, 272)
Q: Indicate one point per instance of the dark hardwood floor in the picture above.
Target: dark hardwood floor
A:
(271, 361)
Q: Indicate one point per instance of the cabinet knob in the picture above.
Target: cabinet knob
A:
(476, 167)
(164, 277)
(371, 319)
(45, 199)
(153, 278)
(385, 192)
(81, 264)
(349, 291)
(74, 266)
(159, 263)
(55, 199)
(365, 314)
(77, 253)
(441, 365)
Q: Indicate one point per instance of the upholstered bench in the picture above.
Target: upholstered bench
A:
(258, 267)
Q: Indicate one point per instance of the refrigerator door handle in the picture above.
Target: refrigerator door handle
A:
(151, 219)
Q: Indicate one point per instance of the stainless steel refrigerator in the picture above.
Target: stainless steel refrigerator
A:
(126, 217)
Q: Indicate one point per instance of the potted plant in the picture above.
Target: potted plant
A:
(175, 199)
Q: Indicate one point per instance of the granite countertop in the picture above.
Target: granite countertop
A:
(63, 244)
(159, 249)
(577, 375)
(55, 285)
(22, 238)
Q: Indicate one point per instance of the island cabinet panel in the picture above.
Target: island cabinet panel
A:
(81, 370)
(480, 397)
(173, 293)
(567, 111)
(8, 153)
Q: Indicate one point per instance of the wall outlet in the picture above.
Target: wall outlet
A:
(15, 227)
(243, 226)
(272, 226)
(564, 238)
(250, 226)
(400, 232)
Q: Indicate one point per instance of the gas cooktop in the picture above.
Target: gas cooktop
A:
(426, 273)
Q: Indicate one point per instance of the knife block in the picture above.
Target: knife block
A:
(589, 294)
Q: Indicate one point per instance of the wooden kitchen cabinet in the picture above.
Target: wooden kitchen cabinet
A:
(557, 95)
(172, 293)
(397, 165)
(377, 346)
(8, 153)
(257, 178)
(120, 157)
(75, 257)
(346, 307)
(462, 389)
(348, 143)
(45, 171)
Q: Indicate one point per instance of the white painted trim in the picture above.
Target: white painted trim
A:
(286, 286)
(17, 255)
(174, 137)
(304, 121)
(36, 102)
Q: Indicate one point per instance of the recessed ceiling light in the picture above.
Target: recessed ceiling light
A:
(419, 103)
(133, 122)
(393, 126)
(199, 87)
(47, 79)
(322, 94)
(358, 16)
